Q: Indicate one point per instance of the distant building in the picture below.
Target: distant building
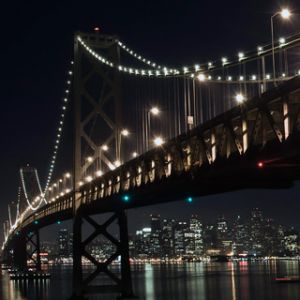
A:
(180, 238)
(256, 232)
(291, 238)
(63, 243)
(142, 243)
(167, 238)
(240, 237)
(210, 239)
(196, 229)
(224, 243)
(155, 236)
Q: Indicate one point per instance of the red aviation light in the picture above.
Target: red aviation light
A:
(260, 164)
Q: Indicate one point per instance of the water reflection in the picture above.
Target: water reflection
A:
(194, 281)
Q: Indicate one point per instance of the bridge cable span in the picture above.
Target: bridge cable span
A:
(34, 204)
(198, 69)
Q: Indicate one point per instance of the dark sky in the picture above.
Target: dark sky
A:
(37, 44)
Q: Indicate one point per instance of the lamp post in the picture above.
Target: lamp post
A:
(285, 14)
(154, 111)
(123, 132)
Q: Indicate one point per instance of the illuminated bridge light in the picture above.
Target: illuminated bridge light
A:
(125, 198)
(189, 199)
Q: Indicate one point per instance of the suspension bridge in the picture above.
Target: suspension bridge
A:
(146, 133)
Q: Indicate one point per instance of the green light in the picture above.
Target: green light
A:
(36, 222)
(125, 198)
(189, 199)
(58, 222)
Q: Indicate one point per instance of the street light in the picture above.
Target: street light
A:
(125, 132)
(158, 141)
(155, 111)
(104, 147)
(285, 14)
(240, 98)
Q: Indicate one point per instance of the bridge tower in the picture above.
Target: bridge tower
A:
(97, 123)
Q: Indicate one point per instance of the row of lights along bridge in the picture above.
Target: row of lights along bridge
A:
(63, 186)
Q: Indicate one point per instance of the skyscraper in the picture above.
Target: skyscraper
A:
(63, 242)
(155, 237)
(167, 239)
(256, 232)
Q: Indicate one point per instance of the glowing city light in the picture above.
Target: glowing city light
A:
(104, 147)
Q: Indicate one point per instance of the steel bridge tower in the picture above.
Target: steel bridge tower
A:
(97, 122)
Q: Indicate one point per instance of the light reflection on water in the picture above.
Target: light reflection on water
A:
(201, 281)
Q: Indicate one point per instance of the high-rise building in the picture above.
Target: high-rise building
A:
(240, 237)
(224, 242)
(179, 238)
(291, 238)
(256, 232)
(142, 243)
(210, 239)
(155, 237)
(167, 238)
(196, 230)
(63, 242)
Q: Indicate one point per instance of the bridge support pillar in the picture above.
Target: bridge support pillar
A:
(33, 251)
(19, 253)
(117, 281)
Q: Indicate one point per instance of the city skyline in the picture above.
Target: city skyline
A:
(159, 237)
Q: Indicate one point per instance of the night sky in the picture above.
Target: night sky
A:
(37, 45)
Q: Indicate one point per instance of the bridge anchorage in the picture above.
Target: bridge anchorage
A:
(252, 143)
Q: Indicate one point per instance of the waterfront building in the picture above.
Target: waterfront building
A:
(256, 233)
(180, 238)
(142, 243)
(167, 239)
(63, 243)
(291, 239)
(155, 250)
(240, 238)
